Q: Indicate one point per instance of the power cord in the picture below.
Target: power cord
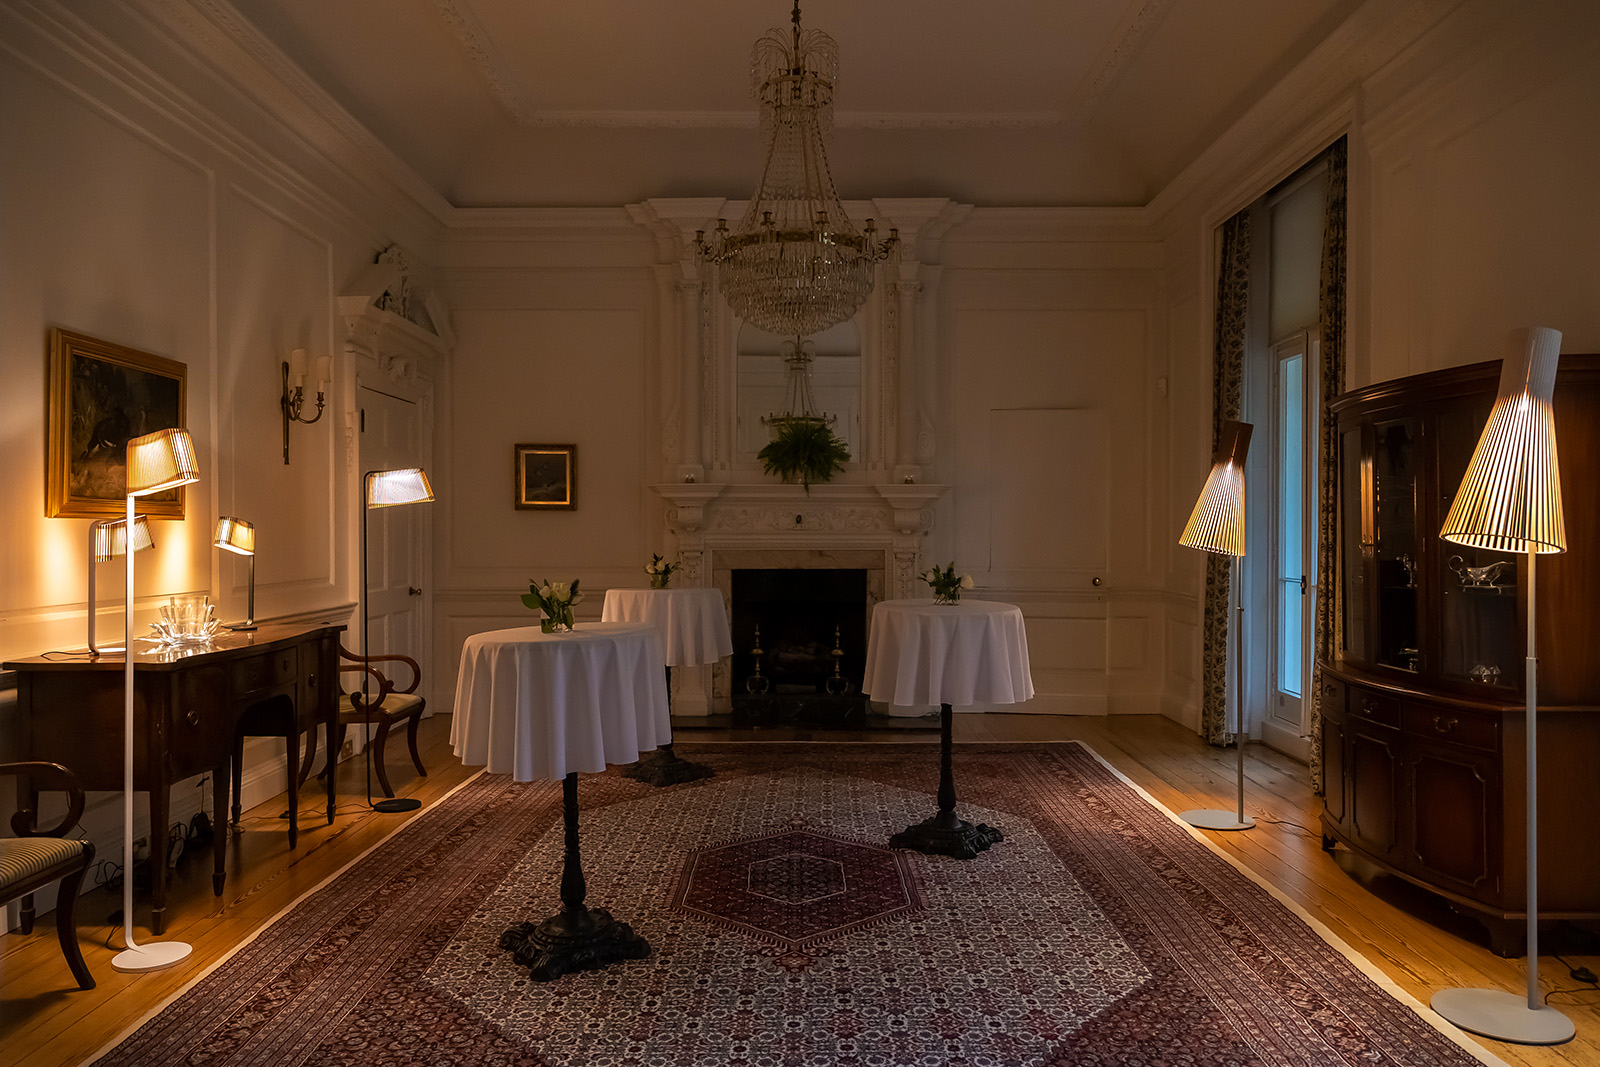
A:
(1304, 830)
(1578, 972)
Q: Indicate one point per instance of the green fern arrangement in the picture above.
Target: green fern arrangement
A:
(804, 450)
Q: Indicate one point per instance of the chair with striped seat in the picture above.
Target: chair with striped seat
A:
(36, 857)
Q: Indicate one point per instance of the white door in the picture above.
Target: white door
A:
(391, 437)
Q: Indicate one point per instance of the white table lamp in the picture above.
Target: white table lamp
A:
(239, 537)
(384, 489)
(156, 461)
(1217, 525)
(108, 538)
(1510, 501)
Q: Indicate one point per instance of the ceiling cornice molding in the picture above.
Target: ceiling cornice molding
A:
(541, 223)
(1314, 102)
(747, 120)
(484, 57)
(1113, 60)
(240, 54)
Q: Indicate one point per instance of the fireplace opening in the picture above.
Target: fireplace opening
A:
(813, 641)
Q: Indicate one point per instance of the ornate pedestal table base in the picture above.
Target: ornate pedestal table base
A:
(576, 938)
(664, 766)
(945, 833)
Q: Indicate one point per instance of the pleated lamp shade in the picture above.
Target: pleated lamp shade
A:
(235, 535)
(1217, 522)
(111, 538)
(161, 460)
(407, 485)
(1510, 498)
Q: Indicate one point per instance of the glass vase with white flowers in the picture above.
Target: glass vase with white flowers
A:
(556, 600)
(660, 571)
(947, 584)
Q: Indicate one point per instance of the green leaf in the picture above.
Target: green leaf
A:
(804, 449)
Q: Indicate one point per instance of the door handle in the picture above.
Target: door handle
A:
(1302, 585)
(413, 590)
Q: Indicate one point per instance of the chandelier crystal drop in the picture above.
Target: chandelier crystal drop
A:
(795, 264)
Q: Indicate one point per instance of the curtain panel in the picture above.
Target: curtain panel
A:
(1331, 325)
(1233, 293)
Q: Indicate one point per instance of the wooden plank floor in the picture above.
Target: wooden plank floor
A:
(46, 1021)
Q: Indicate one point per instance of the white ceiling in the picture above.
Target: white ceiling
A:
(605, 102)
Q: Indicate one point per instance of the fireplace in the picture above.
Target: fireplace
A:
(813, 639)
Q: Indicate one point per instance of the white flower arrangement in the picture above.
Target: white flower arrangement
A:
(660, 571)
(556, 600)
(947, 584)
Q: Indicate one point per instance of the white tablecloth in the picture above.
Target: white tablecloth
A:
(921, 654)
(539, 705)
(693, 623)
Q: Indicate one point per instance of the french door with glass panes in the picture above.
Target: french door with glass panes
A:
(1294, 539)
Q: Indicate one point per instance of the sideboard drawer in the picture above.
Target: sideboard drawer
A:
(1449, 724)
(265, 671)
(1374, 707)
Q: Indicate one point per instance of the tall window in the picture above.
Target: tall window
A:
(1294, 547)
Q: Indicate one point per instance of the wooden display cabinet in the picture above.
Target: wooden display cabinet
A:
(1423, 709)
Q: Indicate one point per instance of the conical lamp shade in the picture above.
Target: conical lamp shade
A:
(1510, 498)
(161, 460)
(1217, 522)
(407, 485)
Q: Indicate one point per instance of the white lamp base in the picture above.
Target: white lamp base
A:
(151, 957)
(1212, 819)
(1503, 1016)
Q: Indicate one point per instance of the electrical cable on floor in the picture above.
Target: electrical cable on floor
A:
(1559, 992)
(1305, 830)
(1578, 972)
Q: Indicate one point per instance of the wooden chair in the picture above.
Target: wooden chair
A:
(36, 857)
(384, 707)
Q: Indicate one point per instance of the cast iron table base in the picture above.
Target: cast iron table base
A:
(664, 766)
(944, 833)
(576, 938)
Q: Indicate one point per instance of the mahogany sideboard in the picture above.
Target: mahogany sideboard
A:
(186, 707)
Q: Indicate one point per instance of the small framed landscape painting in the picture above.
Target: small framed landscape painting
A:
(102, 394)
(547, 477)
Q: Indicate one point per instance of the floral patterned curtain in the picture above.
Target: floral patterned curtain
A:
(1233, 292)
(1331, 325)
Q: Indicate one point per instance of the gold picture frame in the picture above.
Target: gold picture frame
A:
(547, 477)
(100, 395)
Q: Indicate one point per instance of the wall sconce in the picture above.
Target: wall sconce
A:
(294, 392)
(108, 539)
(238, 536)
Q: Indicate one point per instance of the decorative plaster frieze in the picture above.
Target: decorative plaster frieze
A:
(803, 518)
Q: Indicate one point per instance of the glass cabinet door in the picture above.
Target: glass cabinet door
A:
(1396, 457)
(1480, 635)
(1355, 540)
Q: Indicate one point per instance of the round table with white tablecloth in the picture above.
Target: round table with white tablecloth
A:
(920, 652)
(693, 624)
(542, 706)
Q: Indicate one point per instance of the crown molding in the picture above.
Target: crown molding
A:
(232, 50)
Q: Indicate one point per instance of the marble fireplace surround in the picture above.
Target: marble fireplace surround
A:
(723, 528)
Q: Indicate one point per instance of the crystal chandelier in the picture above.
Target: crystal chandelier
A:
(795, 264)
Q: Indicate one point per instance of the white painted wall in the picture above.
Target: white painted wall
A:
(1472, 213)
(137, 211)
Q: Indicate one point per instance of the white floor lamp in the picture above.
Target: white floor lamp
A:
(156, 461)
(1217, 525)
(384, 489)
(1510, 501)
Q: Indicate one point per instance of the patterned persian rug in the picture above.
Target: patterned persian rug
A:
(785, 932)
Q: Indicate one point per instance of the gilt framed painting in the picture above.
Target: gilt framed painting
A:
(547, 477)
(102, 394)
